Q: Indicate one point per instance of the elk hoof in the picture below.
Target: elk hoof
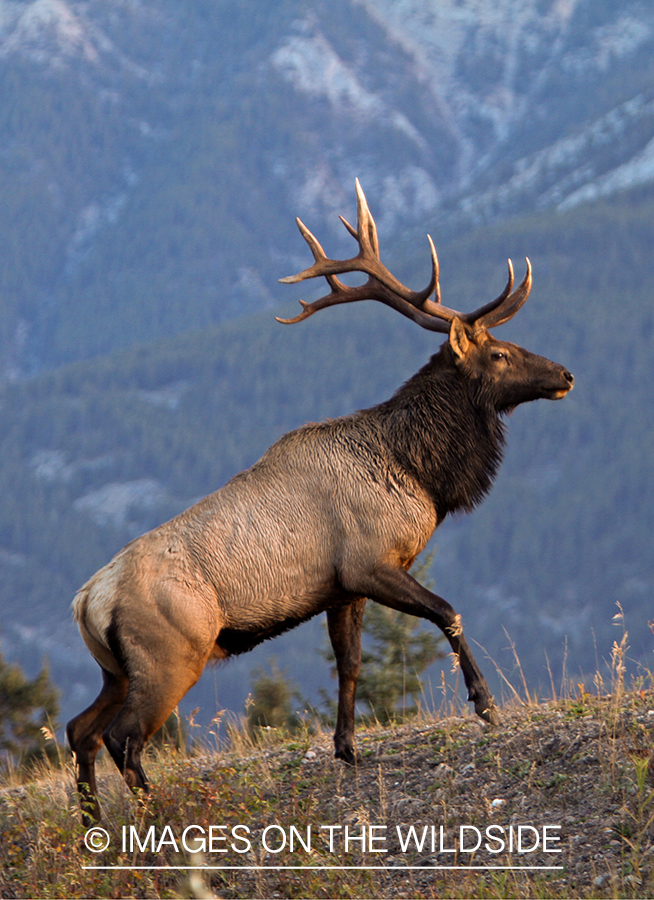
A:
(348, 756)
(487, 711)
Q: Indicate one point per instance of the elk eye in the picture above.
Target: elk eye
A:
(498, 354)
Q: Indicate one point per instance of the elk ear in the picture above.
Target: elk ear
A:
(459, 339)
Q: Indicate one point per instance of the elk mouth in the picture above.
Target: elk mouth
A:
(557, 395)
(559, 392)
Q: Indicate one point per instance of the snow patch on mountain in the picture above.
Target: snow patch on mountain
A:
(609, 43)
(44, 29)
(639, 170)
(450, 39)
(116, 503)
(315, 68)
(567, 171)
(56, 32)
(487, 68)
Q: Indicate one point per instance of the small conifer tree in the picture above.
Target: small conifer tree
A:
(270, 703)
(398, 652)
(28, 711)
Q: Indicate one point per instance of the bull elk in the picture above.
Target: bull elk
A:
(332, 514)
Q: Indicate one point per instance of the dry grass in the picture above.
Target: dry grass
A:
(578, 762)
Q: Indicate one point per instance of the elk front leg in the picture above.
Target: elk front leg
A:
(394, 587)
(344, 626)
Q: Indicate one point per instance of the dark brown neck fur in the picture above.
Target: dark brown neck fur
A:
(446, 433)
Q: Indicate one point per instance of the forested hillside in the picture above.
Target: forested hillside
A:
(154, 154)
(96, 452)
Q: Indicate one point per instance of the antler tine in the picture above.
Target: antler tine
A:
(480, 316)
(341, 293)
(353, 231)
(367, 230)
(519, 297)
(318, 254)
(509, 302)
(417, 298)
(308, 309)
(435, 271)
(367, 260)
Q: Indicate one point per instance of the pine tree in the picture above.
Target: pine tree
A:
(26, 707)
(398, 652)
(270, 700)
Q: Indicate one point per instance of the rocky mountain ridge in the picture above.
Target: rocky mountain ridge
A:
(487, 71)
(147, 148)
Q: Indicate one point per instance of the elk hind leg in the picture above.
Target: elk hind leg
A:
(344, 626)
(84, 734)
(148, 705)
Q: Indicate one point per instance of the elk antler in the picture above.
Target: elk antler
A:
(383, 286)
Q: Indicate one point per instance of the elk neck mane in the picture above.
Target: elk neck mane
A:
(445, 431)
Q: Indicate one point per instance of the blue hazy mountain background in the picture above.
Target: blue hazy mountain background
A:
(153, 157)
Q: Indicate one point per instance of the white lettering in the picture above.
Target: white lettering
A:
(547, 838)
(372, 838)
(498, 839)
(217, 837)
(295, 832)
(248, 845)
(412, 835)
(521, 830)
(265, 842)
(200, 843)
(462, 830)
(167, 837)
(442, 848)
(355, 837)
(134, 837)
(331, 829)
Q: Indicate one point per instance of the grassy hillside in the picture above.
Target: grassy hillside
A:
(577, 767)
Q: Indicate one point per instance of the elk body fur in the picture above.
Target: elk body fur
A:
(332, 514)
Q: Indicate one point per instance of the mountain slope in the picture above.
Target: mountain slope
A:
(154, 155)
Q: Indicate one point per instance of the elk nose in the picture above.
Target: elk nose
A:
(569, 377)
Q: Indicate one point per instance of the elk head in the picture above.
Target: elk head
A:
(508, 372)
